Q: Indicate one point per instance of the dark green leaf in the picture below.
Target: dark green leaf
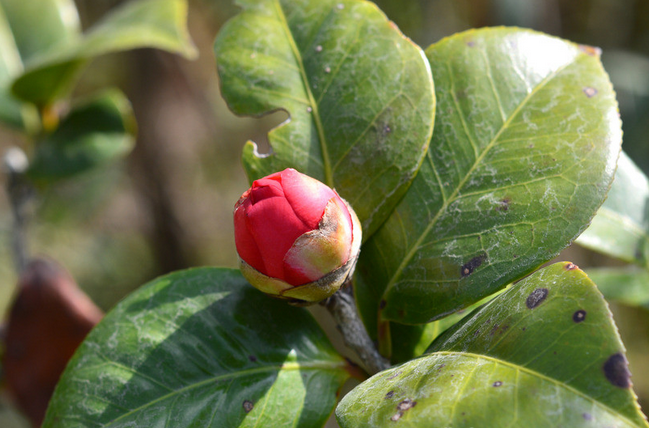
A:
(95, 132)
(526, 138)
(621, 227)
(545, 353)
(141, 23)
(200, 348)
(359, 95)
(629, 285)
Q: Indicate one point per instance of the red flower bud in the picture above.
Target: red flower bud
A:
(296, 238)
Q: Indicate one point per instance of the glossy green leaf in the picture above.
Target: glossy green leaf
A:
(526, 138)
(200, 348)
(136, 24)
(359, 96)
(621, 227)
(40, 26)
(545, 353)
(94, 133)
(628, 285)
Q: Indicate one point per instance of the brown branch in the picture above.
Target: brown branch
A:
(342, 307)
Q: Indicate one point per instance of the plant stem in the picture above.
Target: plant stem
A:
(20, 193)
(342, 307)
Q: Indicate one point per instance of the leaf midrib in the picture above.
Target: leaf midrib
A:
(324, 366)
(326, 162)
(539, 375)
(454, 196)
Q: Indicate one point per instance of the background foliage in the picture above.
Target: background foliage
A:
(168, 206)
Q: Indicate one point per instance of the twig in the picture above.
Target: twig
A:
(20, 192)
(342, 308)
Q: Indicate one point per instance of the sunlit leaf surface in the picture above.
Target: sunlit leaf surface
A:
(358, 93)
(526, 138)
(545, 353)
(200, 348)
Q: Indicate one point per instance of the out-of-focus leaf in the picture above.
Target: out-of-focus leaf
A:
(544, 353)
(359, 95)
(12, 111)
(39, 26)
(526, 138)
(621, 227)
(628, 285)
(95, 132)
(200, 348)
(139, 23)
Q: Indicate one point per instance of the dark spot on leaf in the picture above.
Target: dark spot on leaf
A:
(468, 268)
(252, 358)
(524, 328)
(571, 266)
(503, 205)
(616, 371)
(470, 43)
(531, 146)
(587, 416)
(387, 129)
(248, 406)
(396, 416)
(493, 330)
(497, 384)
(389, 395)
(536, 298)
(406, 404)
(590, 92)
(394, 375)
(401, 313)
(477, 332)
(579, 316)
(382, 304)
(590, 50)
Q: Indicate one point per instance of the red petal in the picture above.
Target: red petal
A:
(308, 197)
(243, 239)
(274, 227)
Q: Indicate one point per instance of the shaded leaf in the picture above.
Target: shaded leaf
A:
(621, 227)
(200, 348)
(628, 285)
(526, 138)
(543, 353)
(95, 132)
(140, 23)
(359, 96)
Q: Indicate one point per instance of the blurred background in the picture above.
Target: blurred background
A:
(169, 205)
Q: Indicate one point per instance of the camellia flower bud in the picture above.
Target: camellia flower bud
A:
(296, 238)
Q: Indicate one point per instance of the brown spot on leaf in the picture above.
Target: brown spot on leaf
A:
(590, 50)
(382, 304)
(503, 205)
(397, 373)
(468, 268)
(579, 316)
(252, 358)
(571, 266)
(587, 416)
(406, 404)
(616, 371)
(590, 92)
(248, 406)
(389, 395)
(470, 43)
(396, 416)
(536, 298)
(497, 384)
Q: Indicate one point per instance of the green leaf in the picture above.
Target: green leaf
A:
(12, 111)
(141, 23)
(40, 26)
(359, 96)
(200, 348)
(621, 227)
(526, 138)
(628, 285)
(544, 353)
(95, 132)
